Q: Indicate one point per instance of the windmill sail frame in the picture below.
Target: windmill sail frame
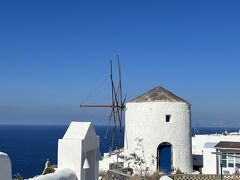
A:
(117, 105)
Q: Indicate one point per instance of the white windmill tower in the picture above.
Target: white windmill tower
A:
(163, 121)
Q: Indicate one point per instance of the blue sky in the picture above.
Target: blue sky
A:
(54, 55)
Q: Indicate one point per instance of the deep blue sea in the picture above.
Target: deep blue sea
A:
(30, 146)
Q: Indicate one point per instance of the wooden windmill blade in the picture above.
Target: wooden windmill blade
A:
(120, 94)
(117, 105)
(109, 121)
(120, 79)
(114, 103)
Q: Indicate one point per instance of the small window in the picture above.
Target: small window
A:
(230, 160)
(224, 160)
(230, 164)
(168, 118)
(237, 160)
(224, 157)
(224, 163)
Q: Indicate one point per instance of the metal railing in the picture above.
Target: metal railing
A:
(117, 175)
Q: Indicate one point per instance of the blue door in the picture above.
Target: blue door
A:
(165, 158)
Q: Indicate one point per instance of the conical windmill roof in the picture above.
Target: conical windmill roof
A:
(158, 94)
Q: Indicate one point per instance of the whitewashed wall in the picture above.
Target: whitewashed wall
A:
(79, 142)
(147, 120)
(60, 174)
(209, 161)
(199, 141)
(5, 167)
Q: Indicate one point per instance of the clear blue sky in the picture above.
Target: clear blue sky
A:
(54, 55)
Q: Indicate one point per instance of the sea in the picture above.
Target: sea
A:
(29, 146)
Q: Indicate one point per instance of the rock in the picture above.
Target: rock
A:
(196, 172)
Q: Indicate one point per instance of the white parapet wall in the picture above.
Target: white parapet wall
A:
(108, 158)
(78, 150)
(62, 174)
(209, 159)
(5, 167)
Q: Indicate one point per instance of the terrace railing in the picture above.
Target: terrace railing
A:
(117, 175)
(205, 177)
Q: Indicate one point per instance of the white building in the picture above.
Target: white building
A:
(163, 121)
(204, 147)
(228, 157)
(79, 150)
(109, 158)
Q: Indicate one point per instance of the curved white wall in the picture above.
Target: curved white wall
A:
(60, 174)
(5, 167)
(147, 120)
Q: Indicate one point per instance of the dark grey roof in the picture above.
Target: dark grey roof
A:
(158, 94)
(228, 145)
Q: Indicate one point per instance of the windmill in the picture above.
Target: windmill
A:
(117, 105)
